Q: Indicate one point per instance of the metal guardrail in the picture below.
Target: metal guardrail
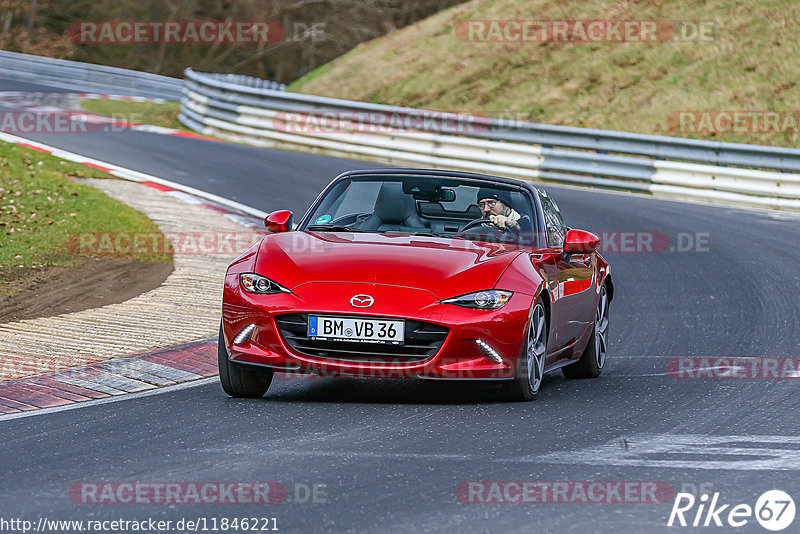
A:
(729, 173)
(242, 80)
(87, 77)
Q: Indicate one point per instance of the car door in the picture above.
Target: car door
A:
(569, 280)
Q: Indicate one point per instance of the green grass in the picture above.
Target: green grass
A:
(165, 114)
(42, 211)
(308, 77)
(749, 64)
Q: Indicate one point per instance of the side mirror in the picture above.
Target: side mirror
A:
(580, 242)
(278, 221)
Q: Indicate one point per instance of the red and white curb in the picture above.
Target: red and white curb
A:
(155, 369)
(161, 368)
(228, 207)
(68, 103)
(120, 97)
(28, 102)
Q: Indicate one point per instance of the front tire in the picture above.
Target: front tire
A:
(530, 371)
(593, 359)
(239, 380)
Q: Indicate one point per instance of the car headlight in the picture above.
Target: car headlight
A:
(255, 283)
(491, 299)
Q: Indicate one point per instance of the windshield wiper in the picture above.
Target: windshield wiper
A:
(331, 228)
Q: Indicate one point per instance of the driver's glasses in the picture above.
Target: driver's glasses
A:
(487, 203)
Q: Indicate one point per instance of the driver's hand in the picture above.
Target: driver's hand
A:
(498, 220)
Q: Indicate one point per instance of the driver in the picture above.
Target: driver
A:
(496, 206)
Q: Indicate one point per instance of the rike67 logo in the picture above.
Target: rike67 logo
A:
(774, 510)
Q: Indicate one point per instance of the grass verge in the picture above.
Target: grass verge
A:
(152, 113)
(747, 62)
(42, 211)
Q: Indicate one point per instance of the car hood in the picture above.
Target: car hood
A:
(445, 267)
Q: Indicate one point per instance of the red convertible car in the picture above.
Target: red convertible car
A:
(400, 273)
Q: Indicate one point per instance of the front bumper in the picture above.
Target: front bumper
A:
(460, 356)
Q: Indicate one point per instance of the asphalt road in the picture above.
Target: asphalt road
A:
(391, 454)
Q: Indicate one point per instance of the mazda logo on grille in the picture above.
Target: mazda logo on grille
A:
(362, 301)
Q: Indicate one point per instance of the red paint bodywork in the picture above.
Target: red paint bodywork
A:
(409, 276)
(278, 221)
(580, 242)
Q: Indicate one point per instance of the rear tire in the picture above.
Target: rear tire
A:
(593, 359)
(239, 380)
(528, 380)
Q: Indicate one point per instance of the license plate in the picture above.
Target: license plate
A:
(363, 330)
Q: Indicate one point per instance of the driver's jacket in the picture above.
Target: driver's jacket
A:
(513, 217)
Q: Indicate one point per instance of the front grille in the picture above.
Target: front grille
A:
(422, 340)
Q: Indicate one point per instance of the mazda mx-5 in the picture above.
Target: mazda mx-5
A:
(427, 274)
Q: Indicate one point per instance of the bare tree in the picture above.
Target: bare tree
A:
(316, 31)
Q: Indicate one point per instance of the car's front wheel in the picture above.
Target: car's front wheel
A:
(530, 371)
(239, 380)
(593, 359)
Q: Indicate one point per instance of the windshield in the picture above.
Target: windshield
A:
(446, 207)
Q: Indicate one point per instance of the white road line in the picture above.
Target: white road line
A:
(685, 451)
(379, 455)
(106, 400)
(134, 176)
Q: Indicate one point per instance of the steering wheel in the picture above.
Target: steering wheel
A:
(477, 222)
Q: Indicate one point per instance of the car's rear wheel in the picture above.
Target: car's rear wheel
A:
(238, 380)
(593, 359)
(530, 371)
